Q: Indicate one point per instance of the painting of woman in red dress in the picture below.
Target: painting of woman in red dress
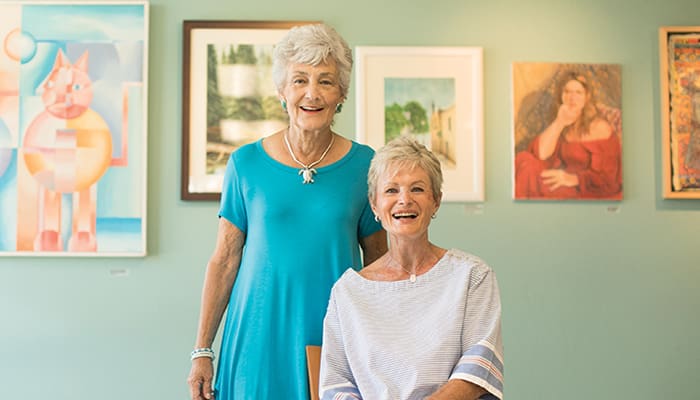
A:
(568, 141)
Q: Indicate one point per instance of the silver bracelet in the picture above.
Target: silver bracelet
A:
(202, 352)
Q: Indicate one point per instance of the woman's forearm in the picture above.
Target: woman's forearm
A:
(548, 140)
(457, 389)
(218, 281)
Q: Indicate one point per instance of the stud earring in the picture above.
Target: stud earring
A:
(376, 218)
(434, 216)
(284, 105)
(338, 108)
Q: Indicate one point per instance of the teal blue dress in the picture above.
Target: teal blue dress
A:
(299, 239)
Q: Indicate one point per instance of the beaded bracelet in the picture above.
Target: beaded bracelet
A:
(202, 352)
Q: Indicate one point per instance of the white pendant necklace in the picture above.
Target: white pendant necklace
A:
(307, 171)
(411, 275)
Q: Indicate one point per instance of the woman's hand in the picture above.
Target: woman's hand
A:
(556, 178)
(567, 115)
(200, 379)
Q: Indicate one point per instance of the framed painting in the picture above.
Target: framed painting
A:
(679, 54)
(567, 131)
(73, 78)
(228, 97)
(434, 95)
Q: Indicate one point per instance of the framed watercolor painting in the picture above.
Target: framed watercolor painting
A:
(228, 97)
(567, 131)
(73, 78)
(433, 94)
(679, 54)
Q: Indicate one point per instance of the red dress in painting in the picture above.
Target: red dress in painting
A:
(597, 163)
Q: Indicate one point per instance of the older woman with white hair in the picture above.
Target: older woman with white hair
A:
(421, 322)
(294, 215)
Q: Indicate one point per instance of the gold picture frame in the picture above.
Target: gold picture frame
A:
(679, 55)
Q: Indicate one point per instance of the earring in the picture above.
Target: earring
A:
(338, 108)
(284, 105)
(376, 218)
(434, 216)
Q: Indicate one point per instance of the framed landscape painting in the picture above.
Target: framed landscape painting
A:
(73, 84)
(228, 97)
(434, 95)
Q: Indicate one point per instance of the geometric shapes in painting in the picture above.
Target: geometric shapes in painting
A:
(76, 119)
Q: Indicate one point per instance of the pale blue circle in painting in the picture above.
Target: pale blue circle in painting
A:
(5, 148)
(20, 45)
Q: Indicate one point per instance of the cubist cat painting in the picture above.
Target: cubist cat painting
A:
(73, 129)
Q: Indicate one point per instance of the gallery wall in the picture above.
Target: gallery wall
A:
(600, 299)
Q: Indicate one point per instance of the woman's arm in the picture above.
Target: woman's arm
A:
(600, 130)
(603, 178)
(458, 390)
(336, 381)
(549, 137)
(480, 369)
(218, 281)
(373, 246)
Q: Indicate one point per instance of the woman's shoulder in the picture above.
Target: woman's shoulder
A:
(466, 262)
(358, 155)
(362, 148)
(248, 150)
(600, 129)
(347, 281)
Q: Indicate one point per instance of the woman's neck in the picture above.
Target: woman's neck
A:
(308, 145)
(411, 258)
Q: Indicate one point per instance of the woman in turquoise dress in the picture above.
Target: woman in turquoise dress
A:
(294, 215)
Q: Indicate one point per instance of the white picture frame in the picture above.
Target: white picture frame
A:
(448, 81)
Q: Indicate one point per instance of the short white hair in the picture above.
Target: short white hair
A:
(312, 45)
(404, 152)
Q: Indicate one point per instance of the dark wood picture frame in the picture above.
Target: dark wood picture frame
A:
(240, 44)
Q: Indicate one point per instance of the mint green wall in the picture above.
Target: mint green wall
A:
(598, 303)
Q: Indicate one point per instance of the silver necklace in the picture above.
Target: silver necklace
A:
(411, 275)
(307, 171)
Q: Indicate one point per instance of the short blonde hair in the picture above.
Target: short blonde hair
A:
(313, 45)
(404, 152)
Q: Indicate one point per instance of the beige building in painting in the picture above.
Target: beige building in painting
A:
(443, 136)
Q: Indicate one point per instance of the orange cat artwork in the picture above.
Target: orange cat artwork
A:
(67, 148)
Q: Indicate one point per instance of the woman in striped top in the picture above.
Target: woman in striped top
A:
(421, 321)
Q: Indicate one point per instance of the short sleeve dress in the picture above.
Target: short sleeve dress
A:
(299, 240)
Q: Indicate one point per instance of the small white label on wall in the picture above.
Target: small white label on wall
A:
(119, 273)
(613, 209)
(474, 209)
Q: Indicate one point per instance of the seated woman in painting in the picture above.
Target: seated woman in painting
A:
(578, 155)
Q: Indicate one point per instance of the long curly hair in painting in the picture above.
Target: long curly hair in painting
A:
(540, 107)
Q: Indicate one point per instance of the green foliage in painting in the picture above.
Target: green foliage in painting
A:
(215, 107)
(410, 118)
(417, 116)
(394, 121)
(243, 108)
(272, 109)
(246, 54)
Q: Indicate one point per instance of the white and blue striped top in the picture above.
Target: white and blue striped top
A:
(402, 340)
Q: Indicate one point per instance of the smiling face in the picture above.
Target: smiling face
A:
(404, 201)
(312, 94)
(574, 95)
